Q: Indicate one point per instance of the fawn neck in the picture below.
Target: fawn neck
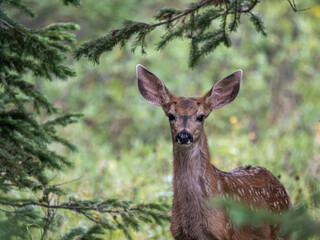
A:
(194, 175)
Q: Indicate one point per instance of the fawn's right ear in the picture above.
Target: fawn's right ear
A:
(151, 87)
(224, 91)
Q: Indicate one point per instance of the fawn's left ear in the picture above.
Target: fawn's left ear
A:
(224, 91)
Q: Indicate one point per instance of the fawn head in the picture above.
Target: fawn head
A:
(187, 115)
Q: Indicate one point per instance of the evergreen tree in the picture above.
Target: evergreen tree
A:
(26, 160)
(207, 23)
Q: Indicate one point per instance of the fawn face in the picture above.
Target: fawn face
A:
(187, 115)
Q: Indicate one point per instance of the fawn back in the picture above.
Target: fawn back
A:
(195, 180)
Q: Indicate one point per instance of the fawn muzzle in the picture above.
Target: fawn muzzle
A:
(184, 137)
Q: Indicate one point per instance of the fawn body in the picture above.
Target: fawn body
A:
(195, 180)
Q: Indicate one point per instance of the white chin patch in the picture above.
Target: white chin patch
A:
(185, 144)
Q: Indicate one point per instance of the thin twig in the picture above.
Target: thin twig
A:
(294, 7)
(50, 214)
(250, 8)
(188, 11)
(67, 182)
(10, 26)
(90, 218)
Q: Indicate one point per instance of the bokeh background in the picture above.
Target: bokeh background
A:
(124, 143)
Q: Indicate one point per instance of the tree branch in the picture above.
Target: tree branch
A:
(195, 28)
(12, 27)
(70, 207)
(250, 8)
(294, 7)
(187, 12)
(183, 14)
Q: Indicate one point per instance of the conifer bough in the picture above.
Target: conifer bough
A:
(207, 23)
(28, 203)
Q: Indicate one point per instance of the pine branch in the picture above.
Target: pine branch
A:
(92, 50)
(20, 6)
(24, 153)
(188, 23)
(10, 26)
(40, 45)
(258, 23)
(72, 2)
(122, 214)
(195, 21)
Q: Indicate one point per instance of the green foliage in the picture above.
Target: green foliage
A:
(258, 23)
(24, 153)
(272, 123)
(25, 156)
(198, 23)
(296, 223)
(72, 2)
(29, 124)
(25, 218)
(124, 145)
(108, 215)
(96, 47)
(80, 231)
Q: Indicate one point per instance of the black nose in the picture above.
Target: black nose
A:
(184, 137)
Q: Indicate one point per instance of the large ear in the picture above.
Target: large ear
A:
(151, 87)
(224, 91)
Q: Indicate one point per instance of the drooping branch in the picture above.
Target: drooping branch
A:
(178, 24)
(194, 23)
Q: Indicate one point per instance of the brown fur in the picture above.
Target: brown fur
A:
(195, 180)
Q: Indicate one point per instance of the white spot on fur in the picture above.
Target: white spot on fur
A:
(219, 185)
(226, 179)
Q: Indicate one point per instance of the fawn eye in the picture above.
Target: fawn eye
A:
(171, 117)
(200, 118)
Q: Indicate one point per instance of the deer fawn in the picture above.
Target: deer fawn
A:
(195, 180)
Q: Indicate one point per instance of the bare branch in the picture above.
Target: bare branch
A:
(294, 7)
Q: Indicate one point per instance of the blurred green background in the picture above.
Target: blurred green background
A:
(124, 143)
